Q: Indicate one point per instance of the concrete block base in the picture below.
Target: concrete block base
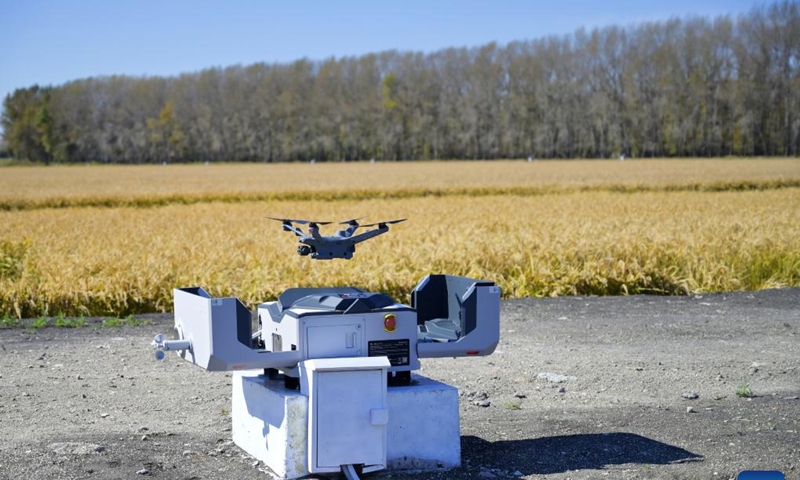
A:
(271, 424)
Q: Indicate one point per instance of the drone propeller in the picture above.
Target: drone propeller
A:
(301, 222)
(353, 222)
(388, 222)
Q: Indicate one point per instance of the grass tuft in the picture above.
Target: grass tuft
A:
(744, 391)
(64, 322)
(129, 321)
(8, 321)
(40, 322)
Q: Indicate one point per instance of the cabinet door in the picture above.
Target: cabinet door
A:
(345, 431)
(335, 340)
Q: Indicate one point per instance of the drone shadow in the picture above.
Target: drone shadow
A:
(572, 452)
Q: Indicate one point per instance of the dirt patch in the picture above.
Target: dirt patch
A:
(580, 387)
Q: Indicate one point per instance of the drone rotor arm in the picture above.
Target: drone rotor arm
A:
(369, 234)
(293, 229)
(313, 229)
(352, 226)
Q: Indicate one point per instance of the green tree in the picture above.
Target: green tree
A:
(166, 134)
(683, 87)
(44, 125)
(20, 130)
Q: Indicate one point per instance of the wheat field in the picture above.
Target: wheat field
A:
(148, 185)
(661, 227)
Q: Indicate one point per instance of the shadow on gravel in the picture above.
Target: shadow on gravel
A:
(571, 452)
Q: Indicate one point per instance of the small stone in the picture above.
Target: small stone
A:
(143, 471)
(104, 415)
(795, 397)
(145, 438)
(517, 473)
(562, 390)
(188, 453)
(76, 448)
(689, 409)
(520, 395)
(482, 403)
(555, 377)
(690, 395)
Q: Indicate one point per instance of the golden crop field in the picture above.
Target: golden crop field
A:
(104, 240)
(147, 185)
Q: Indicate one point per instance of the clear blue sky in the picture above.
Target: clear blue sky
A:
(52, 42)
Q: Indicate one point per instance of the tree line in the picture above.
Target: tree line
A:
(682, 87)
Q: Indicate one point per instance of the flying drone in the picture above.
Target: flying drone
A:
(340, 245)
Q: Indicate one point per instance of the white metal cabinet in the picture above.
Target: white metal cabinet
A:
(347, 412)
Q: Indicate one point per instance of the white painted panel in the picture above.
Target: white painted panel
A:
(345, 433)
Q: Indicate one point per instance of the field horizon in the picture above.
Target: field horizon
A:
(93, 185)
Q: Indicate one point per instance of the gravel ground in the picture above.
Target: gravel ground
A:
(579, 387)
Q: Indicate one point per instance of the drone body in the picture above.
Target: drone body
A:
(341, 245)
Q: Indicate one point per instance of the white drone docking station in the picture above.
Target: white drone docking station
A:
(325, 384)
